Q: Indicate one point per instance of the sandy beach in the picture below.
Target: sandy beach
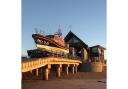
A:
(81, 80)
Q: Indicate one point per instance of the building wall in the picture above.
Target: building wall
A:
(84, 55)
(91, 67)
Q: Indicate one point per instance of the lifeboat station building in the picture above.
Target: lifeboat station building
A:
(77, 47)
(82, 50)
(88, 55)
(83, 58)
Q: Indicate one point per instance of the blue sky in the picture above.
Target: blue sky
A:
(87, 19)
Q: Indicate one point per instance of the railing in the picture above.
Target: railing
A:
(32, 64)
(28, 65)
(66, 56)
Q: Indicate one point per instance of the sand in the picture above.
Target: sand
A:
(81, 80)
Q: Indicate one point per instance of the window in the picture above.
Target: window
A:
(94, 50)
(73, 40)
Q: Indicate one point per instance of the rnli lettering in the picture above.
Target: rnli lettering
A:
(43, 42)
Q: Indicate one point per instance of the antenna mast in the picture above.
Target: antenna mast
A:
(70, 27)
(59, 32)
(39, 31)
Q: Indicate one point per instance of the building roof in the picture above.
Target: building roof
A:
(99, 46)
(70, 34)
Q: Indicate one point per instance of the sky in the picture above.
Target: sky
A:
(85, 18)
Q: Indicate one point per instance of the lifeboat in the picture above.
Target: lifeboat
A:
(51, 43)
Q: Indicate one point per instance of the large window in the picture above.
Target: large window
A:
(73, 40)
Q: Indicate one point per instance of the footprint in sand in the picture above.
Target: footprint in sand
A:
(101, 81)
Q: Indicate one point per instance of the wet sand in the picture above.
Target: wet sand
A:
(81, 80)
